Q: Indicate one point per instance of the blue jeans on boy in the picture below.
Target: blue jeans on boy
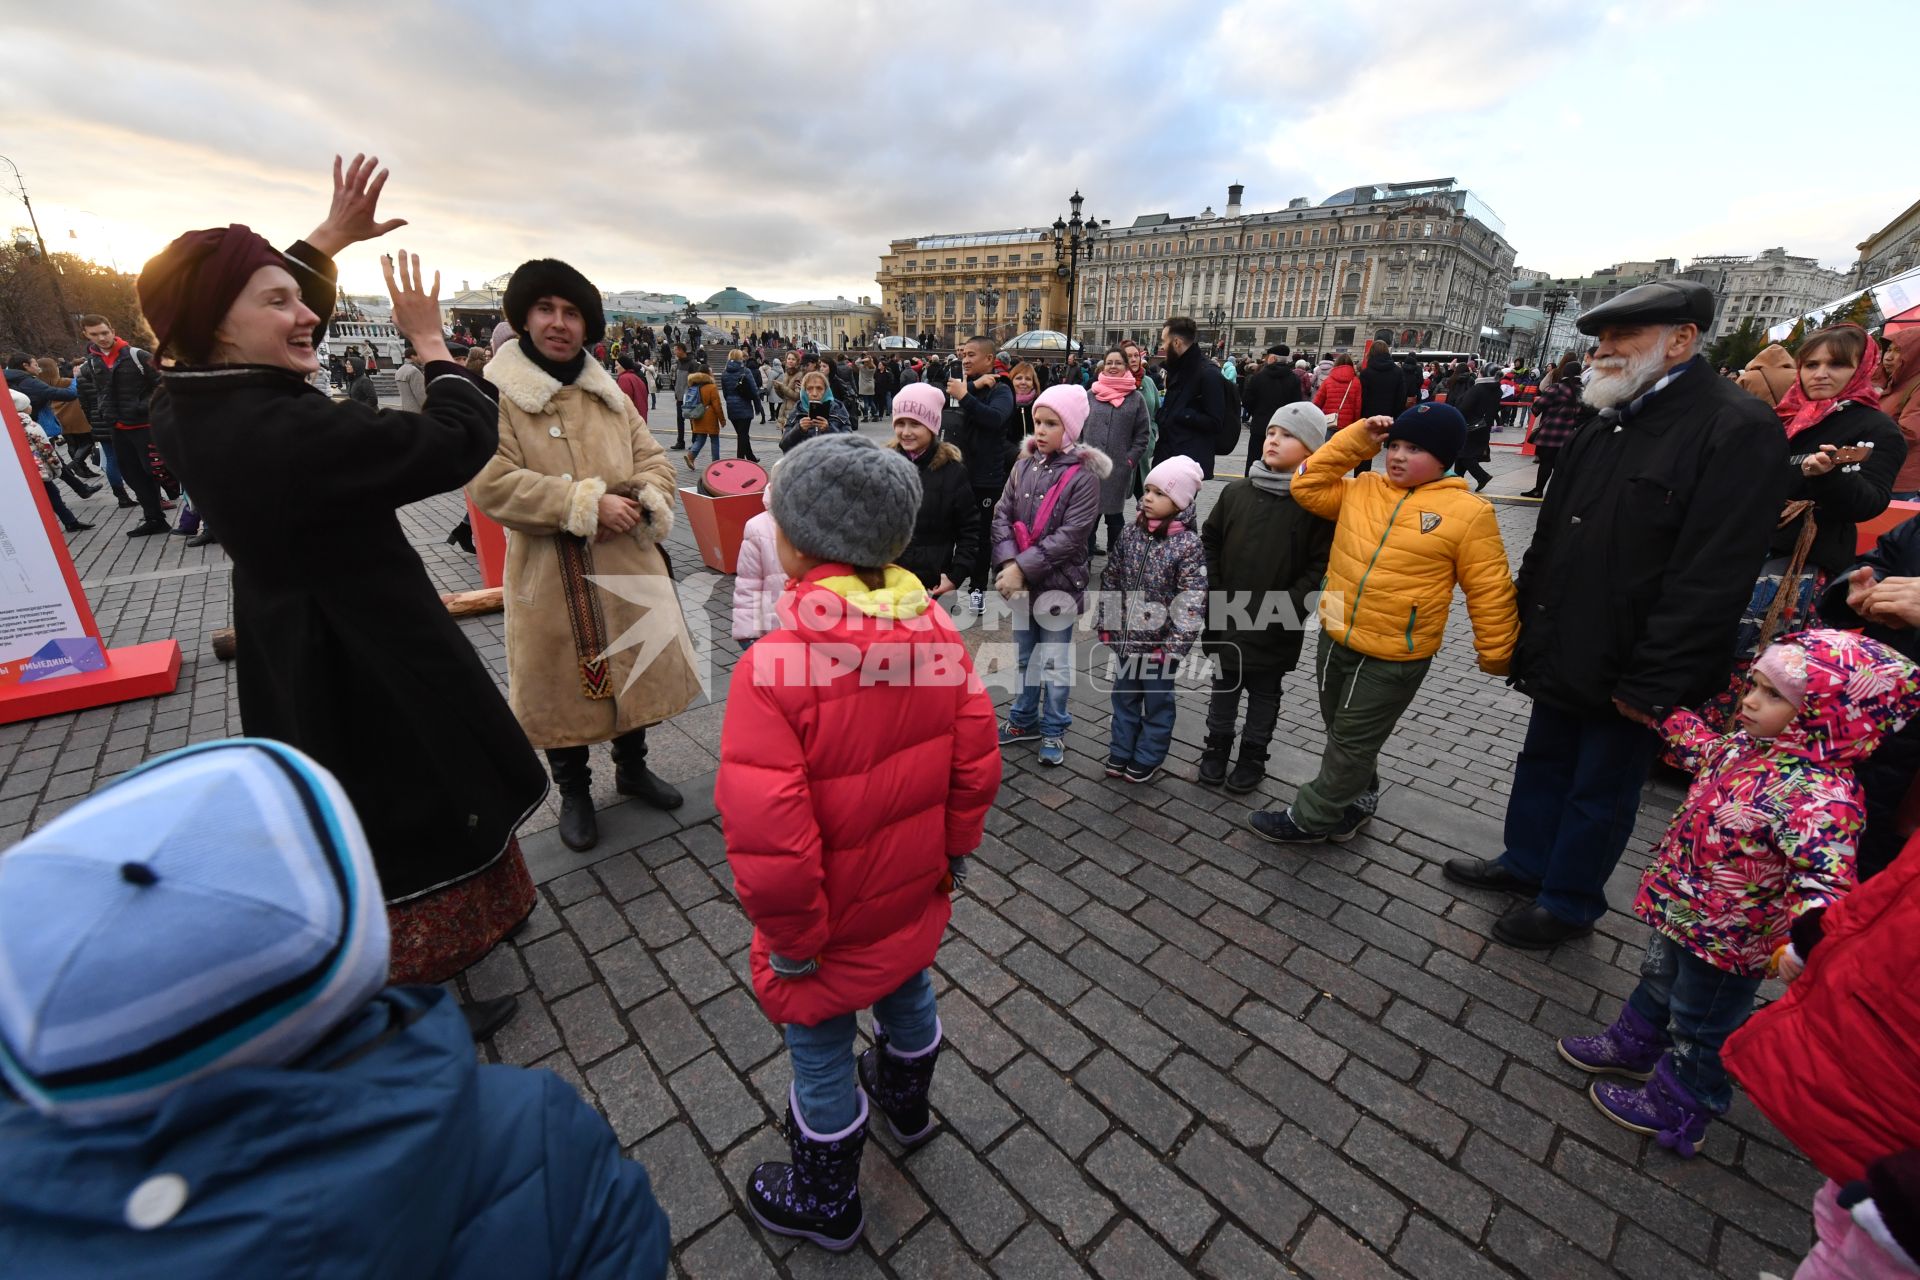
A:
(699, 440)
(1045, 649)
(1143, 711)
(823, 1076)
(1576, 789)
(1699, 1006)
(111, 466)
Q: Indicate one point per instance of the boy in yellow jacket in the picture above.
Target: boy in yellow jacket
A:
(1401, 540)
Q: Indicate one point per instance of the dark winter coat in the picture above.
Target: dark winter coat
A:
(1411, 380)
(1153, 591)
(793, 435)
(122, 394)
(1194, 412)
(1845, 495)
(39, 394)
(1120, 432)
(1270, 387)
(346, 651)
(1260, 545)
(1647, 548)
(1381, 391)
(1479, 402)
(361, 391)
(1895, 555)
(387, 1151)
(1057, 561)
(741, 389)
(946, 532)
(1558, 411)
(984, 428)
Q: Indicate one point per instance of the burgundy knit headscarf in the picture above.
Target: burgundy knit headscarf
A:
(188, 286)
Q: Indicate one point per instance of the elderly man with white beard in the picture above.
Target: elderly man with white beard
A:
(1642, 560)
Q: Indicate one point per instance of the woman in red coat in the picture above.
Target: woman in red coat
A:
(1339, 395)
(857, 763)
(1835, 1064)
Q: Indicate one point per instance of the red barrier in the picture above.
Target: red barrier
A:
(490, 545)
(718, 525)
(1896, 514)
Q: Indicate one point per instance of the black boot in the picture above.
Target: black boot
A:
(461, 536)
(486, 1017)
(817, 1197)
(147, 528)
(1250, 770)
(631, 777)
(204, 538)
(1213, 759)
(898, 1085)
(574, 777)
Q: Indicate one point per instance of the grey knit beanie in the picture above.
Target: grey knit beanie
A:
(845, 499)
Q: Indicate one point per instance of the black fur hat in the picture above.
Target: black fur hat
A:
(550, 277)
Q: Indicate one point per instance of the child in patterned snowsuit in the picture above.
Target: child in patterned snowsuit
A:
(1768, 831)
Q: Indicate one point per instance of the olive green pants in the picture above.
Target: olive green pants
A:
(1361, 700)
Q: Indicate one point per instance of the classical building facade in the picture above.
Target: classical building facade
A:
(825, 322)
(1889, 251)
(997, 283)
(1774, 286)
(1418, 264)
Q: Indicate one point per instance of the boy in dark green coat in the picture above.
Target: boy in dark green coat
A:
(1265, 555)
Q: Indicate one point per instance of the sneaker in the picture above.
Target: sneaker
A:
(1142, 773)
(1053, 751)
(976, 602)
(1011, 733)
(1368, 803)
(1279, 827)
(1117, 767)
(1351, 820)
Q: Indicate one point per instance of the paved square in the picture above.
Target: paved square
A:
(1176, 1049)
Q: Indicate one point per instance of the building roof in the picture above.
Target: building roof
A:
(732, 299)
(1019, 235)
(1882, 232)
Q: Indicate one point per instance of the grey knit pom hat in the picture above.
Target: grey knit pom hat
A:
(843, 498)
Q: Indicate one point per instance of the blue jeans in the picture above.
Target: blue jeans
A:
(1045, 649)
(1700, 1006)
(823, 1076)
(111, 466)
(1576, 788)
(1143, 711)
(699, 440)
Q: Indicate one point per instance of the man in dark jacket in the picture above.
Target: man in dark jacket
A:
(980, 422)
(1271, 386)
(360, 387)
(1642, 562)
(117, 383)
(1193, 414)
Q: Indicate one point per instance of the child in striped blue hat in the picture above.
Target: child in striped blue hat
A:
(209, 1075)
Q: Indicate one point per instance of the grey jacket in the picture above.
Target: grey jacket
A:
(1120, 432)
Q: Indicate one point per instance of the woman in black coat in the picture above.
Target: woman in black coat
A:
(947, 532)
(1381, 390)
(345, 649)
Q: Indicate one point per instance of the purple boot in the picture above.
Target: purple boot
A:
(817, 1197)
(1628, 1048)
(1662, 1107)
(898, 1083)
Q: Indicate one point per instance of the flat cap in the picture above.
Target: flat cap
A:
(1660, 302)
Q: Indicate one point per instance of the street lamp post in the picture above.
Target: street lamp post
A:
(1072, 244)
(1215, 316)
(989, 300)
(1552, 302)
(46, 258)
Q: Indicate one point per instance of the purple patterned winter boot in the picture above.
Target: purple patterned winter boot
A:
(898, 1084)
(1628, 1048)
(1662, 1107)
(817, 1197)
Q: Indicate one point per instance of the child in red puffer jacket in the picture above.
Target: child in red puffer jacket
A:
(857, 765)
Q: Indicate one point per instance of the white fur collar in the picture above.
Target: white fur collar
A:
(533, 388)
(1091, 458)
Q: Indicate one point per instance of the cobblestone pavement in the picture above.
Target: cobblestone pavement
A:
(1176, 1049)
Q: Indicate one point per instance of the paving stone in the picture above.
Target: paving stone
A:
(1137, 1102)
(1292, 1037)
(624, 878)
(972, 971)
(1190, 1025)
(1035, 1255)
(719, 1105)
(1297, 1095)
(1043, 1030)
(694, 971)
(742, 1030)
(590, 1024)
(498, 973)
(557, 964)
(974, 1034)
(573, 887)
(1049, 1182)
(1402, 1108)
(1642, 1200)
(631, 1095)
(966, 1192)
(1428, 1252)
(1196, 940)
(986, 930)
(1129, 1253)
(1447, 1194)
(1450, 1044)
(934, 1253)
(893, 1206)
(969, 1105)
(1052, 1102)
(1121, 1029)
(724, 926)
(1344, 1027)
(683, 1180)
(1643, 1256)
(1178, 1213)
(687, 883)
(1326, 1252)
(596, 922)
(1250, 1121)
(1117, 931)
(655, 920)
(1487, 1109)
(1788, 1227)
(1281, 990)
(1202, 983)
(1251, 1194)
(529, 1037)
(1572, 1213)
(1106, 886)
(1233, 1255)
(727, 1252)
(1040, 921)
(1115, 973)
(629, 972)
(1336, 1186)
(1567, 1105)
(1052, 977)
(670, 1032)
(1741, 1255)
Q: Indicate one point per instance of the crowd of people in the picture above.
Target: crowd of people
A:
(238, 943)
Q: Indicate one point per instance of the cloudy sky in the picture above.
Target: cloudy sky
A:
(778, 147)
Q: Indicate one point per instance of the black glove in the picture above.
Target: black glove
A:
(785, 968)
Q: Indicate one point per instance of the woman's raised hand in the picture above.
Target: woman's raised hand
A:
(416, 311)
(356, 196)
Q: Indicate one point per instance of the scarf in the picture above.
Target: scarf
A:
(1616, 416)
(1029, 398)
(1161, 528)
(1267, 480)
(1801, 414)
(1112, 388)
(1894, 398)
(563, 372)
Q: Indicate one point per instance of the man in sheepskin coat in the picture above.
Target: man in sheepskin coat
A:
(588, 496)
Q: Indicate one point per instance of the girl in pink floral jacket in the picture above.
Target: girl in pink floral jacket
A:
(1767, 831)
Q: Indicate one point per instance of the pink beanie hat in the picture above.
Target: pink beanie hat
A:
(1179, 478)
(503, 336)
(1786, 666)
(1071, 404)
(922, 403)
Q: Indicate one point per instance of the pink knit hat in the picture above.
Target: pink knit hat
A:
(1785, 665)
(922, 403)
(1179, 478)
(1071, 404)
